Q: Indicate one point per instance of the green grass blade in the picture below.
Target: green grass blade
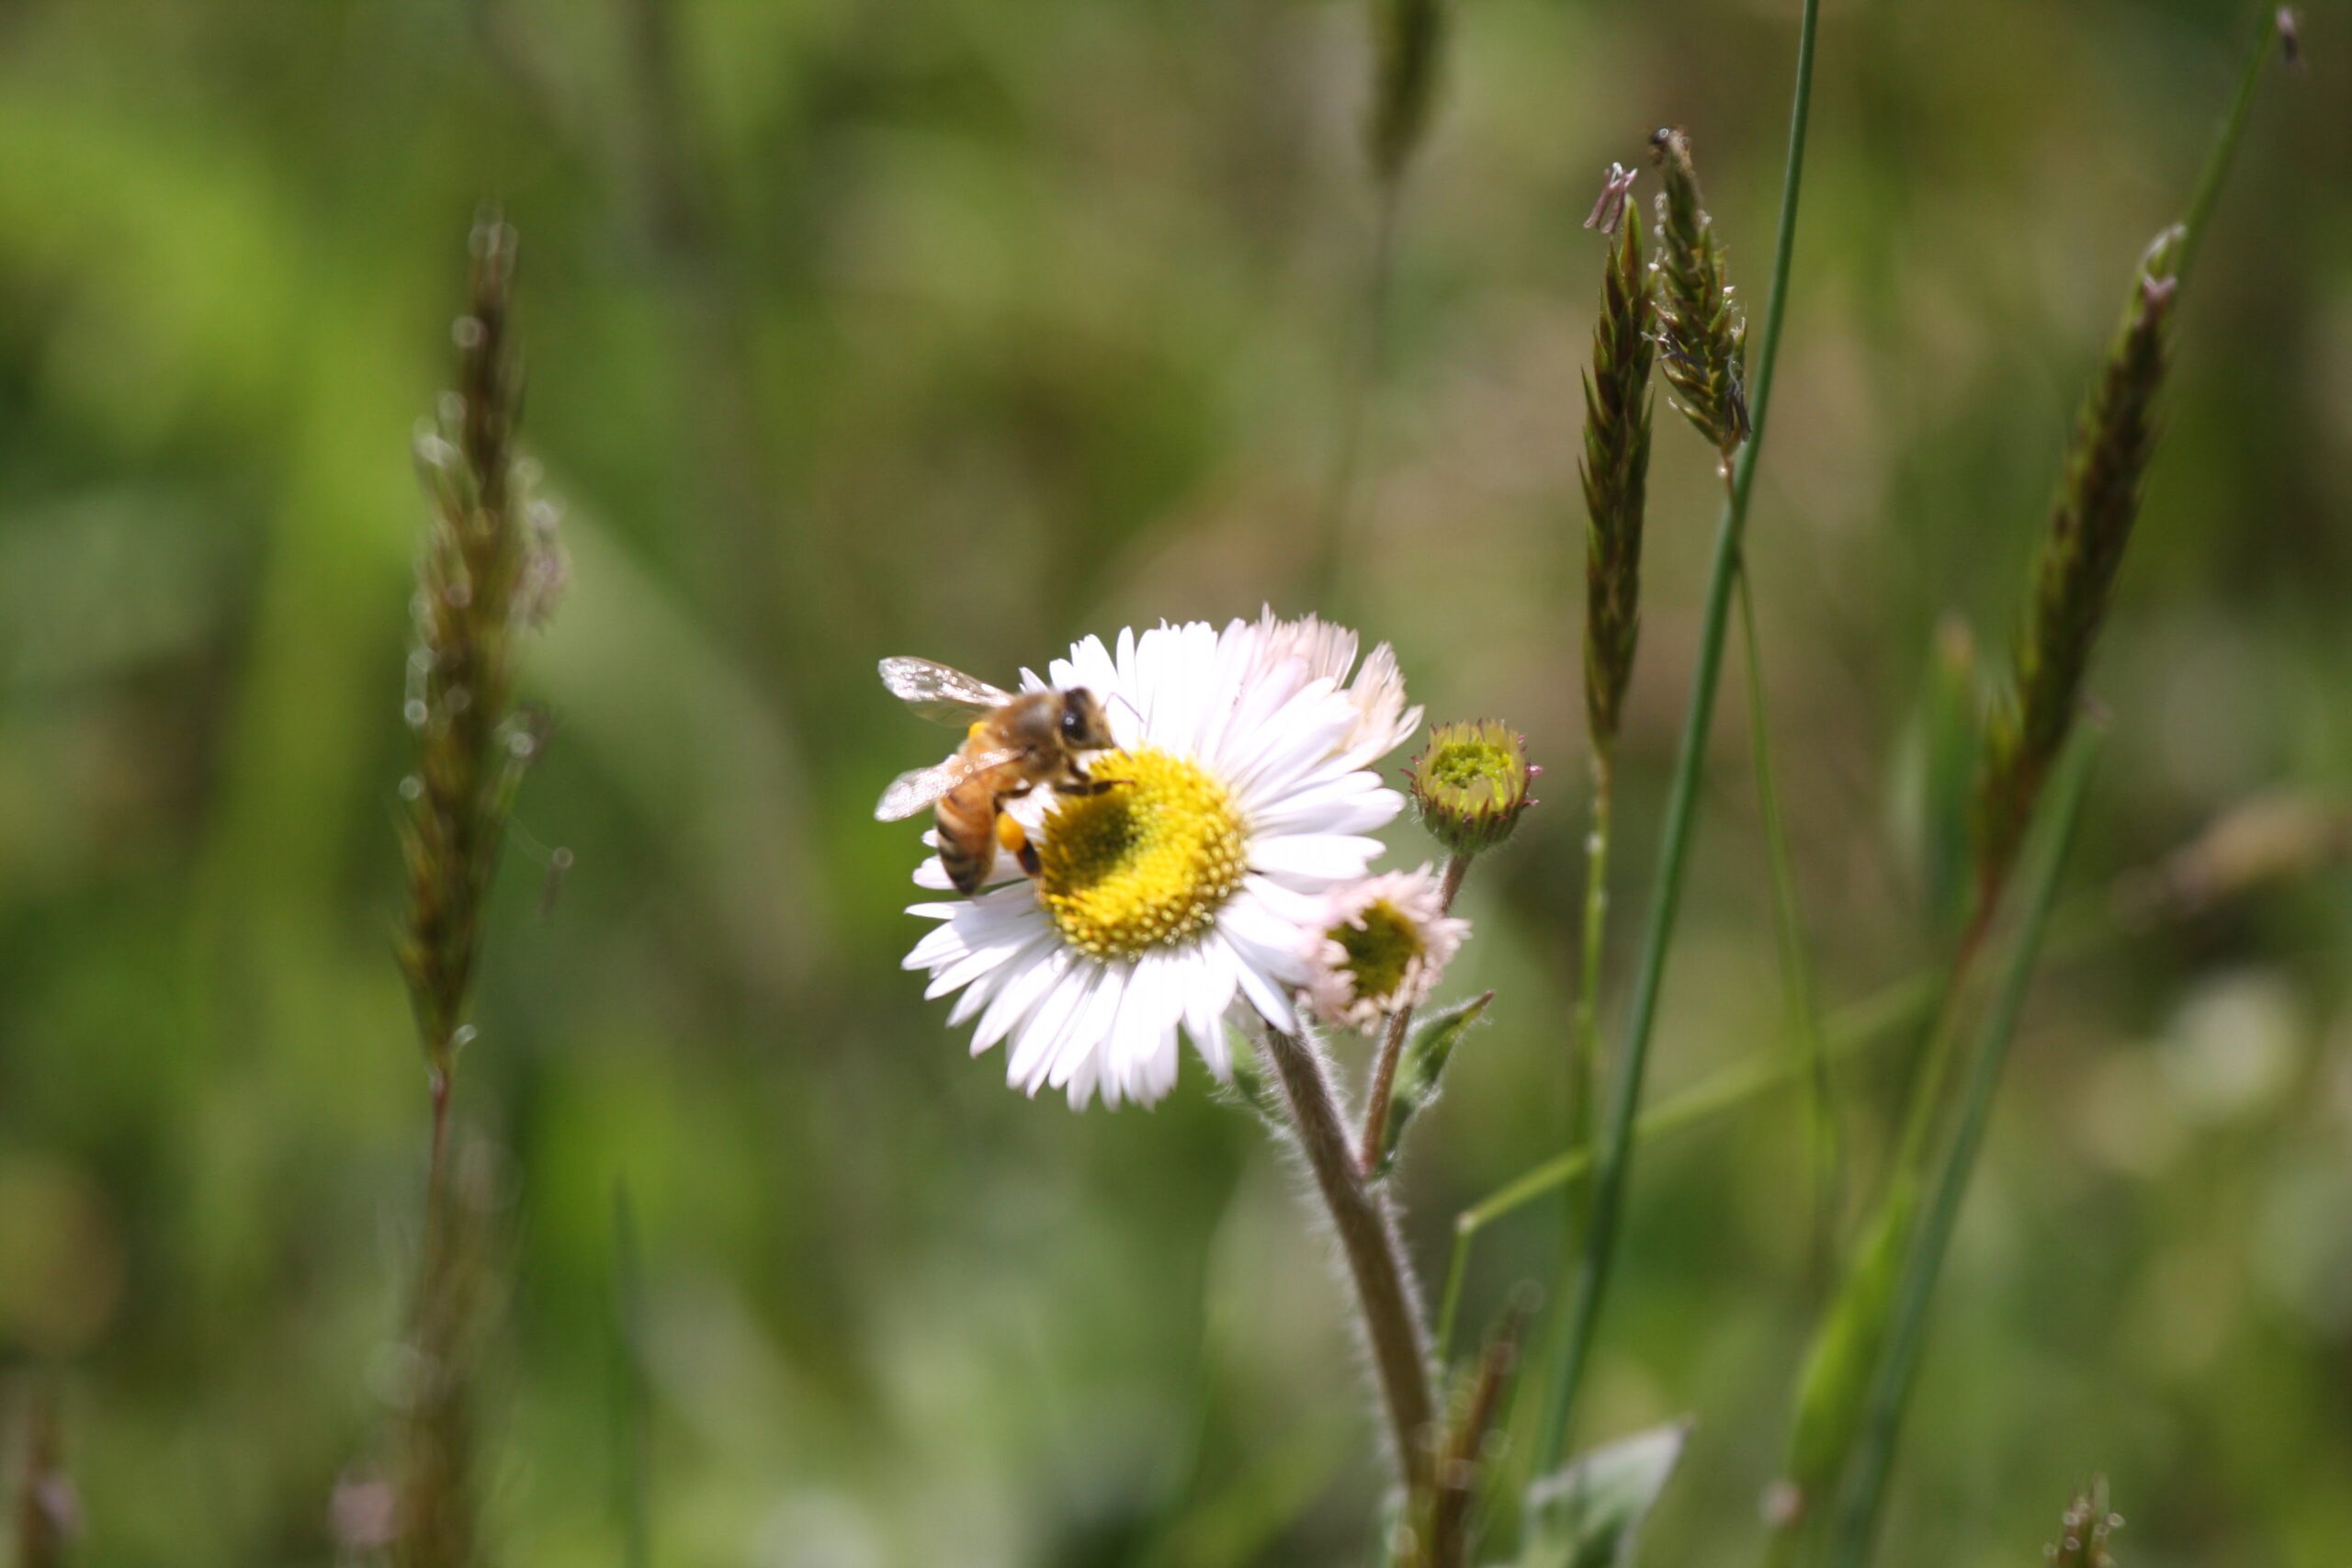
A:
(1923, 1262)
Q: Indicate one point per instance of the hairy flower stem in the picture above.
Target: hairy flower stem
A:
(1367, 1227)
(1681, 812)
(1372, 1144)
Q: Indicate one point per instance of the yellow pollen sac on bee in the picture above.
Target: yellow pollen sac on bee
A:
(1145, 863)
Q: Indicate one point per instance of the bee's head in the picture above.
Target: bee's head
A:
(1084, 725)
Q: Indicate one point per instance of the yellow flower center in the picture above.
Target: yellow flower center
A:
(1380, 949)
(1467, 763)
(1144, 864)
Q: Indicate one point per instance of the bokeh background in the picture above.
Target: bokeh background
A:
(963, 329)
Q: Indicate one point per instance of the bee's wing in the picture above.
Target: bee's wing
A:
(918, 787)
(937, 692)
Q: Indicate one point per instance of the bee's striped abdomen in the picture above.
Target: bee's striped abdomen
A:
(967, 823)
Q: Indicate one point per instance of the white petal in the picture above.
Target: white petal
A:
(1334, 855)
(1354, 803)
(1208, 991)
(1264, 994)
(1088, 1033)
(1247, 918)
(1025, 1064)
(1020, 996)
(990, 948)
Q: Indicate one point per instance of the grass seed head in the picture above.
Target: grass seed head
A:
(1704, 330)
(1409, 49)
(2084, 1531)
(1615, 468)
(2090, 524)
(488, 566)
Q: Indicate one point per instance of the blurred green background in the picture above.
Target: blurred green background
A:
(961, 329)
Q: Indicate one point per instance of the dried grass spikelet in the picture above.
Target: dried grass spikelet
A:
(1444, 1520)
(1705, 333)
(2085, 1530)
(2098, 499)
(1616, 465)
(487, 567)
(1408, 47)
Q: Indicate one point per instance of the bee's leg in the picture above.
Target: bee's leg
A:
(1075, 782)
(1010, 834)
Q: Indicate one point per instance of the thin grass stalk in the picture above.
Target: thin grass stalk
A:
(1367, 370)
(1408, 53)
(48, 1512)
(1855, 1526)
(1583, 1071)
(1372, 1144)
(1367, 1228)
(437, 1500)
(1682, 805)
(1706, 338)
(632, 1507)
(2277, 34)
(1824, 1159)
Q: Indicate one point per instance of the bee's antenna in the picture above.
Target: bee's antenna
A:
(1120, 698)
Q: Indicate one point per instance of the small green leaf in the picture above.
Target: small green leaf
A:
(1427, 1051)
(1589, 1515)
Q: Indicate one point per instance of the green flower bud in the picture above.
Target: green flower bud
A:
(1471, 784)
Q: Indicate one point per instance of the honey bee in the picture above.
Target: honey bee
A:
(1012, 745)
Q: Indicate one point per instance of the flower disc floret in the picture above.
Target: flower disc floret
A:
(1146, 862)
(1380, 947)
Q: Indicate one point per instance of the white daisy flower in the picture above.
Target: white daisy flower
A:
(1244, 796)
(1379, 948)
